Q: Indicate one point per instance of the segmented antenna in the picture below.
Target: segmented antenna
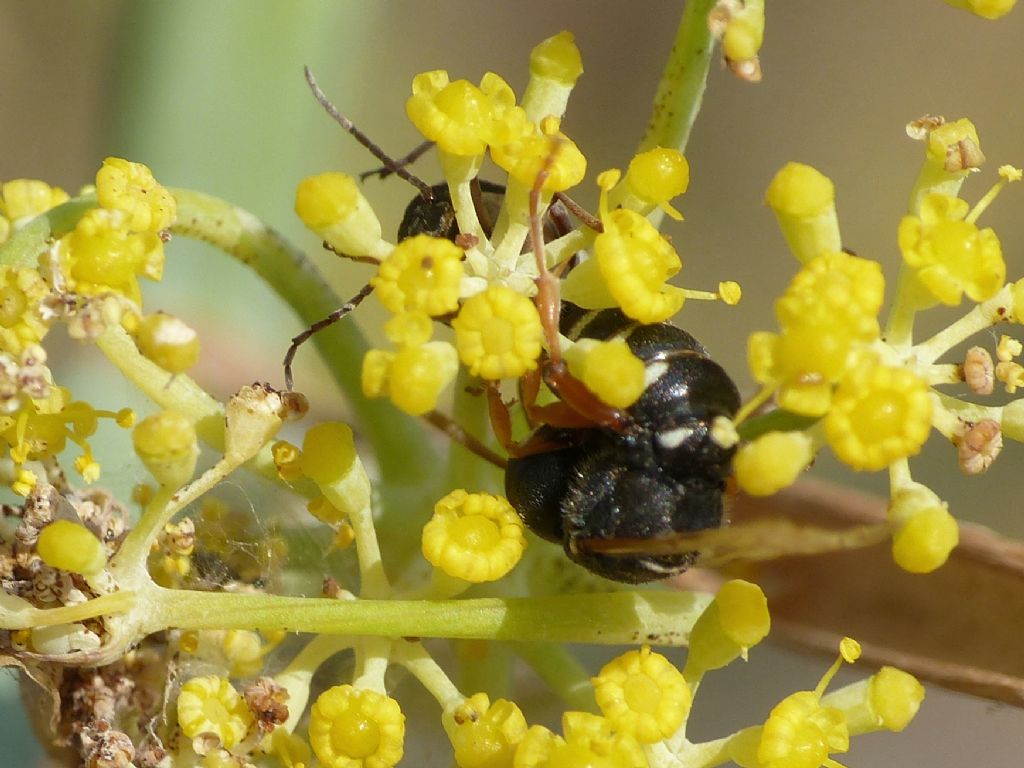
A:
(362, 138)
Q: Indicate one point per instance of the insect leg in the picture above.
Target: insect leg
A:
(570, 390)
(362, 138)
(318, 326)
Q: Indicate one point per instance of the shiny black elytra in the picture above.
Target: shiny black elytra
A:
(663, 476)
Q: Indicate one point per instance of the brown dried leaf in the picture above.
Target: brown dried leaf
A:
(958, 627)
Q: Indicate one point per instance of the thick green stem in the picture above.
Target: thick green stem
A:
(681, 88)
(661, 618)
(562, 672)
(398, 440)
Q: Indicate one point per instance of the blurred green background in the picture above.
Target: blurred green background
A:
(211, 96)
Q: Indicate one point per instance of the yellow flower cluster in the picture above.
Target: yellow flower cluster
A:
(482, 284)
(869, 394)
(90, 280)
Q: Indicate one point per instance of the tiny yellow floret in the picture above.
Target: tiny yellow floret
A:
(101, 254)
(895, 697)
(589, 740)
(642, 694)
(328, 452)
(987, 9)
(70, 546)
(356, 728)
(24, 198)
(484, 735)
(608, 369)
(949, 254)
(498, 334)
(422, 274)
(332, 205)
(635, 262)
(803, 200)
(212, 705)
(800, 190)
(657, 176)
(557, 58)
(459, 116)
(419, 374)
(166, 443)
(168, 341)
(475, 537)
(22, 322)
(924, 541)
(735, 621)
(526, 154)
(879, 414)
(772, 462)
(130, 187)
(329, 458)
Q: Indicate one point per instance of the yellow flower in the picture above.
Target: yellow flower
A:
(736, 620)
(130, 187)
(772, 462)
(22, 199)
(588, 740)
(211, 705)
(879, 414)
(835, 288)
(805, 361)
(475, 537)
(332, 205)
(498, 334)
(924, 533)
(643, 695)
(801, 732)
(658, 175)
(635, 261)
(949, 254)
(102, 254)
(70, 546)
(168, 341)
(422, 274)
(353, 728)
(329, 458)
(525, 155)
(608, 369)
(987, 9)
(484, 735)
(459, 116)
(166, 443)
(21, 322)
(803, 200)
(413, 377)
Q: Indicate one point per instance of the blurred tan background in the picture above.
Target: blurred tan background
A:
(211, 96)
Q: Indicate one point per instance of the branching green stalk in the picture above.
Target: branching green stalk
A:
(399, 442)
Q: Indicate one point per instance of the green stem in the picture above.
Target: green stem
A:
(398, 440)
(662, 618)
(182, 394)
(681, 88)
(27, 242)
(562, 672)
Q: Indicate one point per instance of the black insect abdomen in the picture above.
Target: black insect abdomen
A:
(666, 475)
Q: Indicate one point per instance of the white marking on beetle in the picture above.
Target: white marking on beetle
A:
(653, 372)
(673, 438)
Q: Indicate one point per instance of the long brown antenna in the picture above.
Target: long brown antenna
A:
(362, 138)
